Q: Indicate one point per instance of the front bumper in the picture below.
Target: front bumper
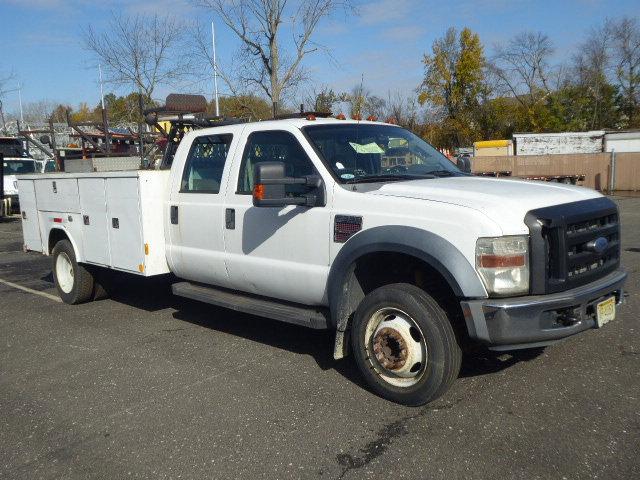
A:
(538, 320)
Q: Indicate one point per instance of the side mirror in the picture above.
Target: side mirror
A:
(45, 140)
(269, 187)
(464, 164)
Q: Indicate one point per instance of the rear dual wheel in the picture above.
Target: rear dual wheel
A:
(404, 345)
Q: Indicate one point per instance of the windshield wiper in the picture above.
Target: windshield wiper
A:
(387, 178)
(443, 173)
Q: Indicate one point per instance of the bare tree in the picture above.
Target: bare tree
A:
(591, 66)
(5, 80)
(522, 67)
(141, 51)
(403, 110)
(626, 54)
(268, 63)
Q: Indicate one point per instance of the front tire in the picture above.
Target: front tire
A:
(73, 281)
(404, 345)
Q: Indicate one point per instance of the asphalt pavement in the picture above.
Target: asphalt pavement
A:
(146, 385)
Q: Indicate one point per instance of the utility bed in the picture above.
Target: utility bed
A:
(117, 216)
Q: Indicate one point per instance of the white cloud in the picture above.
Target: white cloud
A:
(403, 33)
(385, 11)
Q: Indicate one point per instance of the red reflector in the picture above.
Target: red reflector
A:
(499, 261)
(57, 220)
(345, 227)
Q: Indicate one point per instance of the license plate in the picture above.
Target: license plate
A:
(606, 311)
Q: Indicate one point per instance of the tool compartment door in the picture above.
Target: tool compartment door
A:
(29, 211)
(124, 225)
(57, 194)
(95, 228)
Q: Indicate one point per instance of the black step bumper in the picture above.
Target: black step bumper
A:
(538, 320)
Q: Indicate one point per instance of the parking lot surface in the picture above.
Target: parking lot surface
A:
(145, 385)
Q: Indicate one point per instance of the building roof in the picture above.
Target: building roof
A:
(591, 133)
(623, 135)
(492, 143)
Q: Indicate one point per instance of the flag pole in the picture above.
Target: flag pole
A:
(215, 70)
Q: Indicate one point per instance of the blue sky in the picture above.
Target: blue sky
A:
(40, 39)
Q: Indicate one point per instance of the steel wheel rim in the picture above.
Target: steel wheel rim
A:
(64, 272)
(395, 346)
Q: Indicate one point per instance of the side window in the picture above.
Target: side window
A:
(205, 164)
(274, 146)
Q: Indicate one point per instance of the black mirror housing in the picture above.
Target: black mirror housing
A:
(269, 187)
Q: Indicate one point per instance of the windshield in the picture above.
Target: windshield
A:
(12, 147)
(16, 167)
(366, 152)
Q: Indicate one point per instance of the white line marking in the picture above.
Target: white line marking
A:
(30, 290)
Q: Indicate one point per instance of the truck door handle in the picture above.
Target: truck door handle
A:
(174, 214)
(230, 218)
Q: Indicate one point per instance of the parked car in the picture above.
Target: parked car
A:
(338, 224)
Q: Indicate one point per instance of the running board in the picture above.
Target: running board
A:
(246, 303)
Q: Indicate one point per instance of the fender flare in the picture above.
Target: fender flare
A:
(434, 250)
(76, 250)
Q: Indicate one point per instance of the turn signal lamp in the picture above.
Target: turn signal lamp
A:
(258, 191)
(503, 264)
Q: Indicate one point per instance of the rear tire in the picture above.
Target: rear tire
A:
(73, 281)
(404, 345)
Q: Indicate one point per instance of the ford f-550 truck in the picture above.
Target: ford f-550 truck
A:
(355, 226)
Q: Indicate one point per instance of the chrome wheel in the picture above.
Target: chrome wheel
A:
(64, 272)
(396, 347)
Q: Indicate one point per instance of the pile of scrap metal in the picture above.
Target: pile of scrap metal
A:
(181, 114)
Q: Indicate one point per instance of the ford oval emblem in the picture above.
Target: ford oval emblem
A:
(599, 245)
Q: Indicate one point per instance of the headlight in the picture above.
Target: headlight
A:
(503, 264)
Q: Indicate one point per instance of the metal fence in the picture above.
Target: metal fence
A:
(603, 171)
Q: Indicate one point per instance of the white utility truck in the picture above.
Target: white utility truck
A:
(356, 226)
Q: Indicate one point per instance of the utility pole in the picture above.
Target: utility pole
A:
(101, 89)
(20, 101)
(105, 120)
(215, 70)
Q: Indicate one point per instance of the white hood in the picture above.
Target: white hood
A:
(504, 201)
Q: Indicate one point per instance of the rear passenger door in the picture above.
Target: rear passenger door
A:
(196, 210)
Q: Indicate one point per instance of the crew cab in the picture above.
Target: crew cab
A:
(359, 227)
